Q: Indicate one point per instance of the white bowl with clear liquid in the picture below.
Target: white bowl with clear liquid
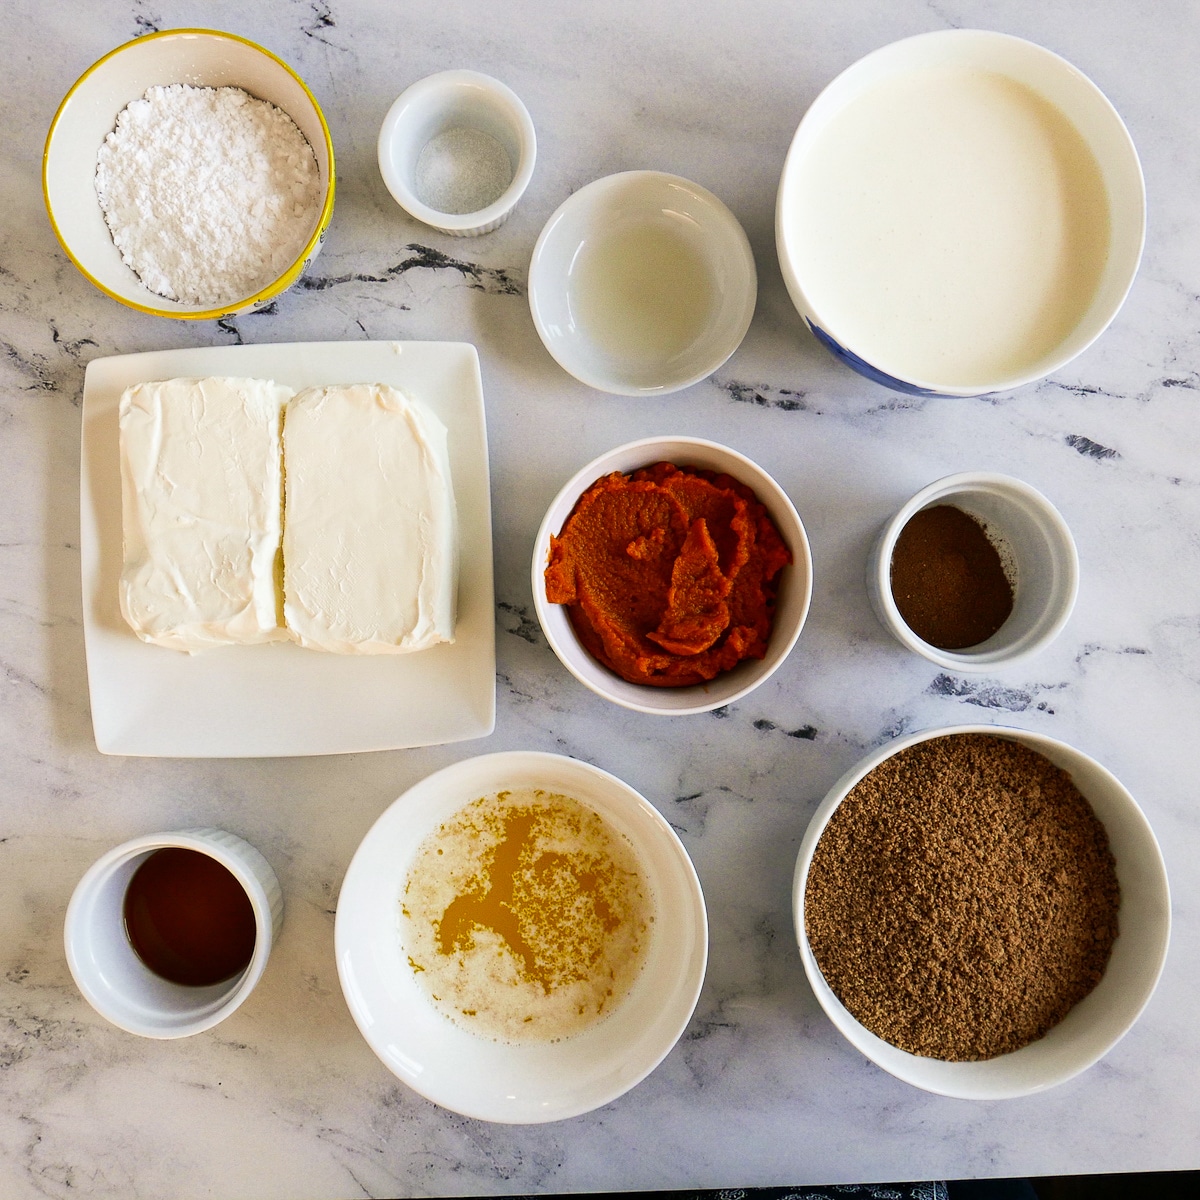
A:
(960, 212)
(642, 283)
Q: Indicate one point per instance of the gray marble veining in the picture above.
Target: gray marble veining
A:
(285, 1099)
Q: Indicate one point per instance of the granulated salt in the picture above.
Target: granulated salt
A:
(209, 193)
(462, 170)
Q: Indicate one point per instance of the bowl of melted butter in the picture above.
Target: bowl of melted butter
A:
(521, 937)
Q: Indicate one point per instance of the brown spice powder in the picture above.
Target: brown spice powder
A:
(948, 580)
(963, 898)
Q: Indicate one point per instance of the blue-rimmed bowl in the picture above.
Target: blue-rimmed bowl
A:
(915, 287)
(88, 113)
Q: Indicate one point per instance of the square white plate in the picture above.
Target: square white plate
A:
(265, 701)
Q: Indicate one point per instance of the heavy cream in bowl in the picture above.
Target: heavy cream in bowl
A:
(960, 212)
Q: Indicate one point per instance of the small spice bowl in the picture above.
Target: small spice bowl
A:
(456, 151)
(112, 976)
(1097, 1022)
(88, 113)
(517, 1082)
(1034, 545)
(792, 600)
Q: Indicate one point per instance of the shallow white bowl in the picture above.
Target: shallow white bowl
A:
(203, 58)
(1101, 1018)
(1032, 535)
(107, 969)
(629, 205)
(456, 100)
(794, 595)
(472, 1075)
(1047, 75)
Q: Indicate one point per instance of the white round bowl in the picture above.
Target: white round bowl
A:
(88, 113)
(792, 601)
(1102, 1017)
(107, 969)
(1032, 536)
(857, 336)
(454, 100)
(531, 1082)
(632, 210)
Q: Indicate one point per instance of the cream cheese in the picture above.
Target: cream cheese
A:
(201, 491)
(370, 540)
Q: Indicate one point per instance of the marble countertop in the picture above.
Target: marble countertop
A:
(285, 1099)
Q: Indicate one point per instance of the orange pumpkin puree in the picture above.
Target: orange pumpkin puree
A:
(670, 573)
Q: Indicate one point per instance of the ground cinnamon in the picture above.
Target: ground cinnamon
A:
(948, 580)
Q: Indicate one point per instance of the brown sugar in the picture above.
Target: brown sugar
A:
(948, 580)
(963, 898)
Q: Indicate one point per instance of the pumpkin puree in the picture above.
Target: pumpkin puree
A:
(670, 573)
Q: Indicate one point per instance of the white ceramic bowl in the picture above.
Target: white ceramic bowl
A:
(855, 329)
(654, 245)
(1101, 1018)
(1032, 537)
(107, 969)
(794, 595)
(202, 58)
(490, 1080)
(438, 105)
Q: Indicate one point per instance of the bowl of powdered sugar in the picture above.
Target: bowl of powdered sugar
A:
(189, 173)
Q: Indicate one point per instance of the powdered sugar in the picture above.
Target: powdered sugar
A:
(209, 193)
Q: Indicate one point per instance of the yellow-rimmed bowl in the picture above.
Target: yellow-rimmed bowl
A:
(202, 58)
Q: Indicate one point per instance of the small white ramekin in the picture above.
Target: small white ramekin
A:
(107, 969)
(792, 601)
(1035, 544)
(456, 100)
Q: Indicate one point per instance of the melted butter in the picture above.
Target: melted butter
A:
(526, 916)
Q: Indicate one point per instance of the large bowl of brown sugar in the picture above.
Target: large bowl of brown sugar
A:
(981, 911)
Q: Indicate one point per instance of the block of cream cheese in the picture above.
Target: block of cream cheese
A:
(201, 498)
(370, 545)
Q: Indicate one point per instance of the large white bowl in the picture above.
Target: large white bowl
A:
(792, 601)
(202, 58)
(622, 207)
(494, 1081)
(1102, 1017)
(1048, 76)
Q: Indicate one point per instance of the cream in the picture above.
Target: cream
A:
(369, 545)
(951, 227)
(200, 478)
